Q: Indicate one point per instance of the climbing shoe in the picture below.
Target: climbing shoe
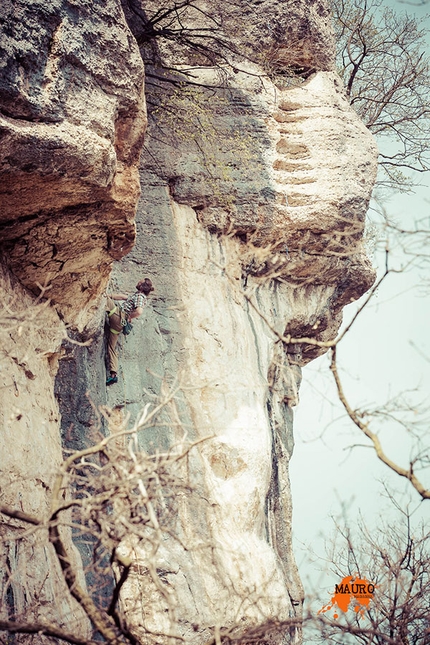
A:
(111, 380)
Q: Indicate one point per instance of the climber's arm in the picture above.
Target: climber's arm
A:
(135, 313)
(118, 296)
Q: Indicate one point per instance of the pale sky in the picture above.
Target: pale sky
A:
(386, 353)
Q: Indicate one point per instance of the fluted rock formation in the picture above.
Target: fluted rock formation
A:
(255, 181)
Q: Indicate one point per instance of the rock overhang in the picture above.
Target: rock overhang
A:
(72, 121)
(296, 168)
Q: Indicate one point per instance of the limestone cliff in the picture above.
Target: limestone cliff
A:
(255, 179)
(72, 125)
(72, 122)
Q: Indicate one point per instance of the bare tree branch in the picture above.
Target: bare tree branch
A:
(43, 629)
(383, 62)
(364, 427)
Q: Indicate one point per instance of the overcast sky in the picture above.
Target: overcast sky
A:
(386, 353)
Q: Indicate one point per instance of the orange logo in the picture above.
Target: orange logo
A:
(355, 590)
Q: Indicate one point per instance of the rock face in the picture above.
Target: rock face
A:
(30, 577)
(255, 180)
(72, 122)
(225, 292)
(72, 125)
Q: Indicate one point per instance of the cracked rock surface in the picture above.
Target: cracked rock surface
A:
(72, 120)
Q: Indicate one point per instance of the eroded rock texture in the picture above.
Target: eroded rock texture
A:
(255, 180)
(72, 124)
(253, 203)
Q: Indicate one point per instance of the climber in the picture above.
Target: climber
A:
(119, 316)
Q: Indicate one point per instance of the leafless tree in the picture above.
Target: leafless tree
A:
(382, 59)
(117, 498)
(121, 501)
(369, 421)
(395, 557)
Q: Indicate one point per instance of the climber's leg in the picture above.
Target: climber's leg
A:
(112, 353)
(115, 328)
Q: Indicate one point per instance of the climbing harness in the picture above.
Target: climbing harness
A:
(126, 326)
(111, 313)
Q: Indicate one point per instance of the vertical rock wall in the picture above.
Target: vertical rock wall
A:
(225, 290)
(30, 577)
(255, 181)
(72, 122)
